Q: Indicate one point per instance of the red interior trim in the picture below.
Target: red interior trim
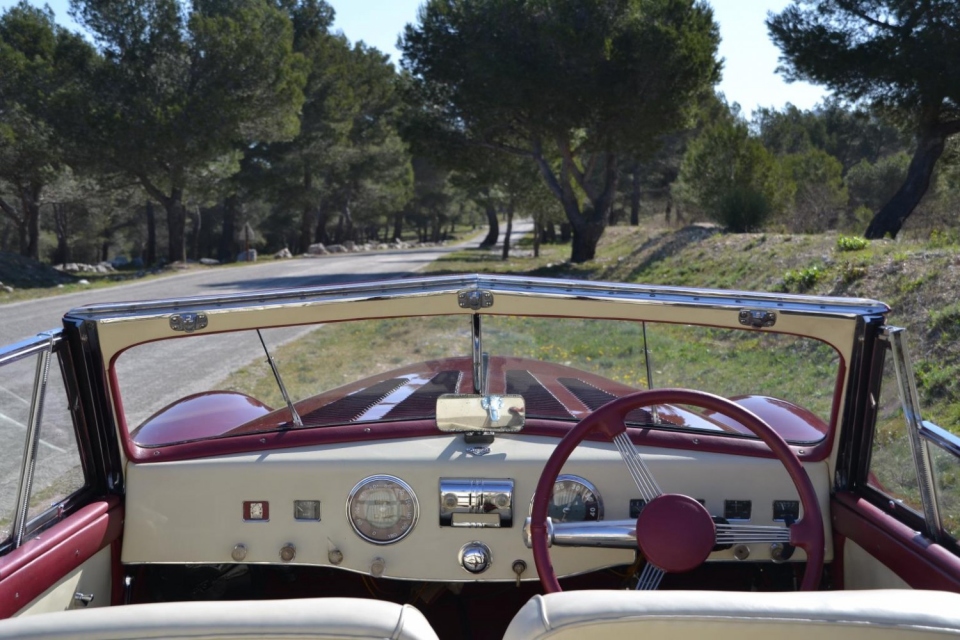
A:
(27, 572)
(920, 562)
(839, 580)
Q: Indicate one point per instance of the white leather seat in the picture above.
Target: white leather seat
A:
(721, 615)
(313, 618)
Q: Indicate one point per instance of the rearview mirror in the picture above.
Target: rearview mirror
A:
(471, 413)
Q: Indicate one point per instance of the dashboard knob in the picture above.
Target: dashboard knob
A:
(288, 552)
(475, 557)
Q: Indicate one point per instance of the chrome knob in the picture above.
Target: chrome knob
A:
(475, 557)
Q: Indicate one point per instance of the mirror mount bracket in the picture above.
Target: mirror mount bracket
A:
(479, 437)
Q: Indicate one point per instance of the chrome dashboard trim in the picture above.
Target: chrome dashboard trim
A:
(476, 502)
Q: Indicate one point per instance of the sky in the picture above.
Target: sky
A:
(750, 58)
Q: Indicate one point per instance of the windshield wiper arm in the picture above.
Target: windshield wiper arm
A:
(297, 422)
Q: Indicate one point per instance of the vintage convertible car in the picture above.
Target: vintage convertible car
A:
(473, 457)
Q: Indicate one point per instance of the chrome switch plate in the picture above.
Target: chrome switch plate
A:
(476, 502)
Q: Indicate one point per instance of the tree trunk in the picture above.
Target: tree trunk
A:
(225, 251)
(587, 224)
(398, 225)
(635, 195)
(176, 225)
(151, 256)
(506, 234)
(62, 254)
(493, 234)
(30, 202)
(307, 213)
(33, 243)
(197, 221)
(585, 239)
(536, 238)
(321, 235)
(891, 217)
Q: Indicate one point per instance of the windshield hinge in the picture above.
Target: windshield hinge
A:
(188, 322)
(474, 299)
(757, 318)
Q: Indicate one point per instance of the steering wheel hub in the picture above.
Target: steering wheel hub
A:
(675, 533)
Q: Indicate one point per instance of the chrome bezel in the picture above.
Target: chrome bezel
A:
(569, 477)
(383, 478)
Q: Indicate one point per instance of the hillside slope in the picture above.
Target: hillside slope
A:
(920, 282)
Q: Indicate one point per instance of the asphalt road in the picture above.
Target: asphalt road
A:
(175, 368)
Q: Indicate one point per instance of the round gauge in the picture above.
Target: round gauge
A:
(574, 500)
(382, 509)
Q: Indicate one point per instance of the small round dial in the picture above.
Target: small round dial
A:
(574, 499)
(382, 509)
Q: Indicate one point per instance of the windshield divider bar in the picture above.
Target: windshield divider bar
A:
(479, 386)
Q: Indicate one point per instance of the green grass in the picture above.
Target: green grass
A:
(710, 359)
(338, 353)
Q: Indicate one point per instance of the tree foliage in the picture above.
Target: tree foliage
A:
(570, 84)
(177, 94)
(729, 174)
(820, 196)
(37, 58)
(899, 57)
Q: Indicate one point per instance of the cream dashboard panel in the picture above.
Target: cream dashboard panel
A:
(193, 511)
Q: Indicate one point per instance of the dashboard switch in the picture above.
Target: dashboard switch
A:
(475, 557)
(288, 552)
(737, 509)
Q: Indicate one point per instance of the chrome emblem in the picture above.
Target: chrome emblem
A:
(478, 451)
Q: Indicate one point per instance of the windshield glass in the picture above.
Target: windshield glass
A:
(370, 371)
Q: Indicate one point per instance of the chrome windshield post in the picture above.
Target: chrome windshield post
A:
(29, 462)
(919, 448)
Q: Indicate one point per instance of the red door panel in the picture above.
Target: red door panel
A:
(28, 571)
(920, 562)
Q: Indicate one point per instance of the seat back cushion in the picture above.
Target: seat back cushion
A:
(724, 615)
(310, 618)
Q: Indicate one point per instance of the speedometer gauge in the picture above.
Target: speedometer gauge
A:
(574, 499)
(382, 509)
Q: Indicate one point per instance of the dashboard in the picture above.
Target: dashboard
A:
(431, 508)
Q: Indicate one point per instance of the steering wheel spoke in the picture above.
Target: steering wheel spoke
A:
(649, 489)
(751, 534)
(650, 577)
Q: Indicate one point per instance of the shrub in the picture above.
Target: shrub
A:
(804, 279)
(742, 209)
(852, 272)
(852, 243)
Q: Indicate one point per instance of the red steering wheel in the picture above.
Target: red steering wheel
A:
(675, 532)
